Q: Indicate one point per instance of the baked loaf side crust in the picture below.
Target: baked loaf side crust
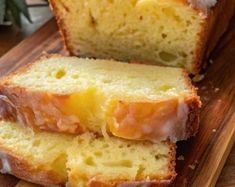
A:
(45, 111)
(61, 27)
(18, 166)
(194, 104)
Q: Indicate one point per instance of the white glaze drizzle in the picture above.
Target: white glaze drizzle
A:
(6, 168)
(205, 4)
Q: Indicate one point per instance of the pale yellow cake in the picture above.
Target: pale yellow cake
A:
(75, 95)
(167, 32)
(53, 159)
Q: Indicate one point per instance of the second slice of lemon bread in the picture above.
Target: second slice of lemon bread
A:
(53, 159)
(72, 95)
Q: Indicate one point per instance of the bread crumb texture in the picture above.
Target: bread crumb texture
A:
(86, 157)
(164, 32)
(68, 75)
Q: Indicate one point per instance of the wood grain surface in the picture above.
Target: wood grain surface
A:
(204, 155)
(12, 35)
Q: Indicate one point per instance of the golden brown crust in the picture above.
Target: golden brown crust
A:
(194, 105)
(22, 168)
(200, 48)
(59, 20)
(192, 123)
(172, 162)
(23, 183)
(153, 183)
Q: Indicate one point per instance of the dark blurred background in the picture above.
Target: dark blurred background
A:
(11, 33)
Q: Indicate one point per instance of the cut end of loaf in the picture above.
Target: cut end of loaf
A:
(165, 32)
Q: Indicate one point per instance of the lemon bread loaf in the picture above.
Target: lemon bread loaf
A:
(53, 159)
(168, 32)
(72, 95)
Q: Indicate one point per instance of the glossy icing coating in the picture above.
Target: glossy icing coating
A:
(204, 4)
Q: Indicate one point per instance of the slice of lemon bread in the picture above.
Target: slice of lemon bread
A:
(38, 158)
(72, 95)
(52, 159)
(168, 32)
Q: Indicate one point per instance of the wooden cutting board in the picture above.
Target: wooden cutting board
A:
(201, 158)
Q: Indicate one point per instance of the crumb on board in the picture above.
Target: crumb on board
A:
(192, 166)
(181, 157)
(205, 98)
(202, 15)
(203, 88)
(198, 77)
(216, 90)
(211, 61)
(213, 130)
(44, 52)
(148, 178)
